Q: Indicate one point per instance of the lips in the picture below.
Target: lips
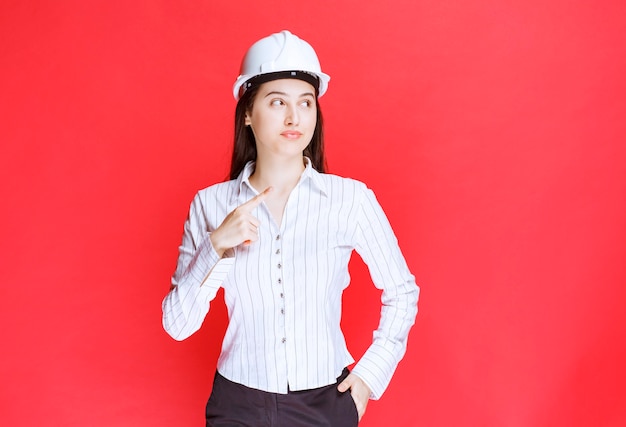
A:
(291, 134)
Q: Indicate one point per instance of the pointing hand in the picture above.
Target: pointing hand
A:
(239, 226)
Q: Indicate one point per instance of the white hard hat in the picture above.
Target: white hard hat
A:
(280, 52)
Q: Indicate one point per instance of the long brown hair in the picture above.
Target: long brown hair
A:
(244, 146)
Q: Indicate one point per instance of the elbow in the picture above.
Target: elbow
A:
(178, 337)
(182, 317)
(178, 325)
(416, 292)
(174, 323)
(173, 330)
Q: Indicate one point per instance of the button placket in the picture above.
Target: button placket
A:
(277, 264)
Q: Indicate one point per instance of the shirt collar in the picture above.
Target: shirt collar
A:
(309, 174)
(313, 175)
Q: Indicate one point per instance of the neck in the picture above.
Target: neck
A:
(282, 176)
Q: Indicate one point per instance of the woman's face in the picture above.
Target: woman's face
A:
(283, 117)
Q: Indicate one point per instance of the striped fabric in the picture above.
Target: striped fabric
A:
(283, 292)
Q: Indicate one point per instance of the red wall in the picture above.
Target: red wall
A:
(493, 133)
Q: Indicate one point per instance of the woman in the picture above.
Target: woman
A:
(278, 237)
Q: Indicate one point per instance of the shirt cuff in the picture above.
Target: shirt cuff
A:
(375, 370)
(208, 269)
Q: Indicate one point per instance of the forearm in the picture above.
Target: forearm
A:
(195, 284)
(378, 364)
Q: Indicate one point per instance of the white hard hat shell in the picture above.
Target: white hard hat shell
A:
(280, 52)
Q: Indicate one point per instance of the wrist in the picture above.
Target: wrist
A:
(215, 242)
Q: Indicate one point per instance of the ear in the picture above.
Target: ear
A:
(247, 119)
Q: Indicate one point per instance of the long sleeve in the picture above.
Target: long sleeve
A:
(284, 292)
(198, 276)
(378, 247)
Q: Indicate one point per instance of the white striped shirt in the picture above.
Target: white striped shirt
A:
(284, 291)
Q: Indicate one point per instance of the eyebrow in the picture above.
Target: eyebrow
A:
(275, 92)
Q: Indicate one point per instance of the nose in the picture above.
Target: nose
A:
(292, 118)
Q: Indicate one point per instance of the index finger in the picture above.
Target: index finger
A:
(256, 200)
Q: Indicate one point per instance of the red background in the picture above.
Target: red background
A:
(492, 132)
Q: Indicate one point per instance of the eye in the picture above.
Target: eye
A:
(276, 102)
(306, 103)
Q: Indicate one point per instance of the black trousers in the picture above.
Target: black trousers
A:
(232, 404)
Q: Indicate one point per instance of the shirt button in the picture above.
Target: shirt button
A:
(279, 265)
(284, 340)
(282, 295)
(277, 251)
(280, 280)
(282, 311)
(278, 237)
